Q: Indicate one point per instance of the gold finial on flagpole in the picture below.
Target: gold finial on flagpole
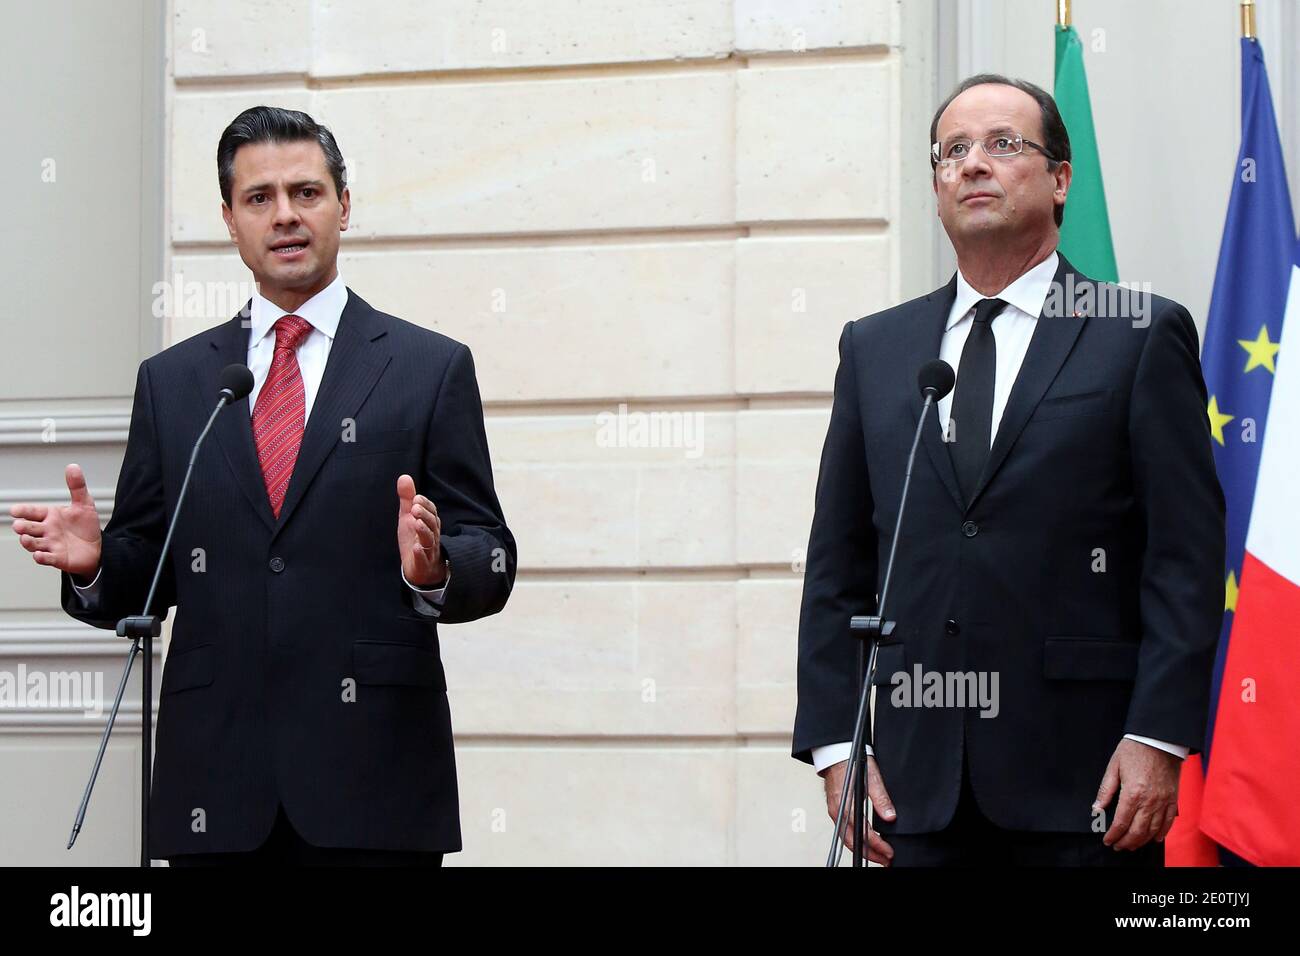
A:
(1063, 17)
(1248, 19)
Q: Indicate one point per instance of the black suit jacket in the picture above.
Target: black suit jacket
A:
(1104, 444)
(280, 618)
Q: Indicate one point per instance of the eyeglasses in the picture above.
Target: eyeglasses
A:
(997, 145)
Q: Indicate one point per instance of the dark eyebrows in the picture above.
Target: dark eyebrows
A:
(961, 133)
(268, 187)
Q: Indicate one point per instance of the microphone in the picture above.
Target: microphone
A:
(935, 380)
(237, 382)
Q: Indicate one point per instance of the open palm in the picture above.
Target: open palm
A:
(66, 537)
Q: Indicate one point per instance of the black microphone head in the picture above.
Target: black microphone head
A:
(936, 376)
(236, 381)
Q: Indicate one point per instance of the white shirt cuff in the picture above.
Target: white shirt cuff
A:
(428, 601)
(831, 754)
(90, 593)
(1178, 750)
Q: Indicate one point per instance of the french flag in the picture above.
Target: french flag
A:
(1252, 759)
(1251, 802)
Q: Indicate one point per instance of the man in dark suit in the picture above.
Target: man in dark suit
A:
(1059, 582)
(303, 713)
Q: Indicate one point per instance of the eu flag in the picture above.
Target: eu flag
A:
(1241, 343)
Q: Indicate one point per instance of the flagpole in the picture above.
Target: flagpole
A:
(1248, 20)
(1063, 17)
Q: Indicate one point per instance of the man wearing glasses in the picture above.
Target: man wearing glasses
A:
(1058, 585)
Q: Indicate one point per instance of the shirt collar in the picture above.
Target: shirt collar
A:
(1027, 293)
(323, 311)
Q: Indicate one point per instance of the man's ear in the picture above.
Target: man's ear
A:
(229, 217)
(345, 201)
(1064, 176)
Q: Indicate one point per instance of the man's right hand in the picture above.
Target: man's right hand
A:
(878, 851)
(66, 537)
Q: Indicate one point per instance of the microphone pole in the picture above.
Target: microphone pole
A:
(935, 379)
(236, 383)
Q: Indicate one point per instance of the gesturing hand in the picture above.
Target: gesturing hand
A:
(419, 537)
(66, 537)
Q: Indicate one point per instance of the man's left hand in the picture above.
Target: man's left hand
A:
(419, 537)
(1147, 780)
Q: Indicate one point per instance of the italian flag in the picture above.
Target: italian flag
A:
(1085, 231)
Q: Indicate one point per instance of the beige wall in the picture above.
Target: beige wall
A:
(671, 205)
(80, 248)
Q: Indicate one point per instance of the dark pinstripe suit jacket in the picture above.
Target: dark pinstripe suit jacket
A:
(281, 618)
(1104, 448)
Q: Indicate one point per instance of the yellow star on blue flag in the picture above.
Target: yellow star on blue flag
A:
(1217, 419)
(1261, 350)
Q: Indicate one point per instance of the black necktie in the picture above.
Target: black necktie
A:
(972, 404)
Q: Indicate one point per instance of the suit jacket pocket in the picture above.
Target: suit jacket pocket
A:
(187, 670)
(392, 662)
(370, 442)
(890, 660)
(1063, 406)
(1087, 658)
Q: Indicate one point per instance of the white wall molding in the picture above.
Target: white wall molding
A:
(80, 427)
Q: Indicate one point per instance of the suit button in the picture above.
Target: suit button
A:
(951, 627)
(277, 565)
(970, 529)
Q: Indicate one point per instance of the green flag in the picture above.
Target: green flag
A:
(1085, 233)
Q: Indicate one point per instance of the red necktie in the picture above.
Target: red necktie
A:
(280, 414)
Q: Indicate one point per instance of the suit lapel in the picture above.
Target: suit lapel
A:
(1054, 336)
(925, 335)
(358, 356)
(233, 427)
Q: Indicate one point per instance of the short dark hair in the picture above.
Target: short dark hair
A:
(271, 124)
(1056, 139)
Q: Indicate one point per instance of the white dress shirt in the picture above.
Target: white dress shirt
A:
(323, 311)
(1013, 327)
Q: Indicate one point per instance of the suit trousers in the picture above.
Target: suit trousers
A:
(284, 847)
(971, 839)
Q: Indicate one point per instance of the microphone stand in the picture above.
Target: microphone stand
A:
(144, 627)
(873, 627)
